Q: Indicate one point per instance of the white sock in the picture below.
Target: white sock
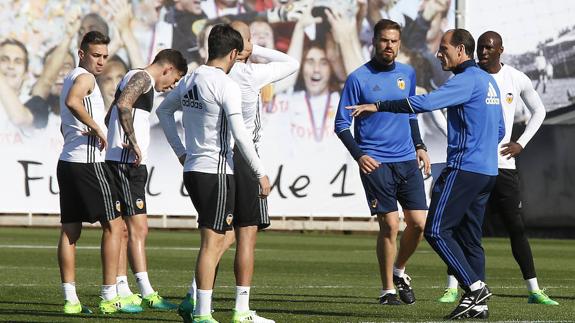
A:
(144, 283)
(192, 290)
(242, 298)
(69, 290)
(109, 292)
(388, 291)
(452, 281)
(398, 272)
(477, 285)
(122, 286)
(532, 284)
(204, 304)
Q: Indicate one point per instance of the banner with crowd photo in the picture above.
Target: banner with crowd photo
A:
(543, 47)
(311, 172)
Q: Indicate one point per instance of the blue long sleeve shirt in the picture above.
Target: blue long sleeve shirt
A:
(474, 117)
(386, 137)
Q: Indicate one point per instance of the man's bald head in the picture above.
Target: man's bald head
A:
(244, 30)
(497, 41)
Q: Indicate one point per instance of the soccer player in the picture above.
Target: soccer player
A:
(251, 212)
(475, 127)
(212, 115)
(85, 191)
(505, 196)
(385, 149)
(128, 138)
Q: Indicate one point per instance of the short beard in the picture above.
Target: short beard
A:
(382, 58)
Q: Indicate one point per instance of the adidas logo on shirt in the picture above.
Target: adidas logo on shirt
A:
(492, 97)
(191, 99)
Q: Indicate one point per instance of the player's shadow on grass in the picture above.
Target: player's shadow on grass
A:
(41, 313)
(319, 313)
(29, 303)
(523, 296)
(317, 295)
(283, 299)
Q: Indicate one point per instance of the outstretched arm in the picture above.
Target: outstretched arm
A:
(455, 91)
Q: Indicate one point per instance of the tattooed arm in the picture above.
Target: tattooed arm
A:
(138, 84)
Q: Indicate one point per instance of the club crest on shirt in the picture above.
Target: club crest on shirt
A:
(401, 83)
(373, 203)
(229, 219)
(509, 97)
(140, 204)
(118, 206)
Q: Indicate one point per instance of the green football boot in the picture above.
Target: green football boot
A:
(117, 306)
(156, 301)
(449, 296)
(539, 297)
(76, 308)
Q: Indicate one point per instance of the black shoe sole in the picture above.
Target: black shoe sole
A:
(477, 301)
(407, 301)
(481, 315)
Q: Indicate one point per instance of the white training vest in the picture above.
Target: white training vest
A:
(77, 147)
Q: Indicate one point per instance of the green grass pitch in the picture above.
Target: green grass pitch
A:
(300, 277)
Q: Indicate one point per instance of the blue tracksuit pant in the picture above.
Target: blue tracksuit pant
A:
(454, 221)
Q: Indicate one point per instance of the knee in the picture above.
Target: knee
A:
(113, 227)
(417, 226)
(516, 229)
(389, 229)
(72, 233)
(139, 232)
(73, 237)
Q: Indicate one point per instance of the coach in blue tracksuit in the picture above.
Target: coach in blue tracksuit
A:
(475, 127)
(385, 149)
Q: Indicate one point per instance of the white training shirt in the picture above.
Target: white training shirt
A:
(212, 118)
(252, 77)
(514, 86)
(79, 148)
(433, 128)
(141, 114)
